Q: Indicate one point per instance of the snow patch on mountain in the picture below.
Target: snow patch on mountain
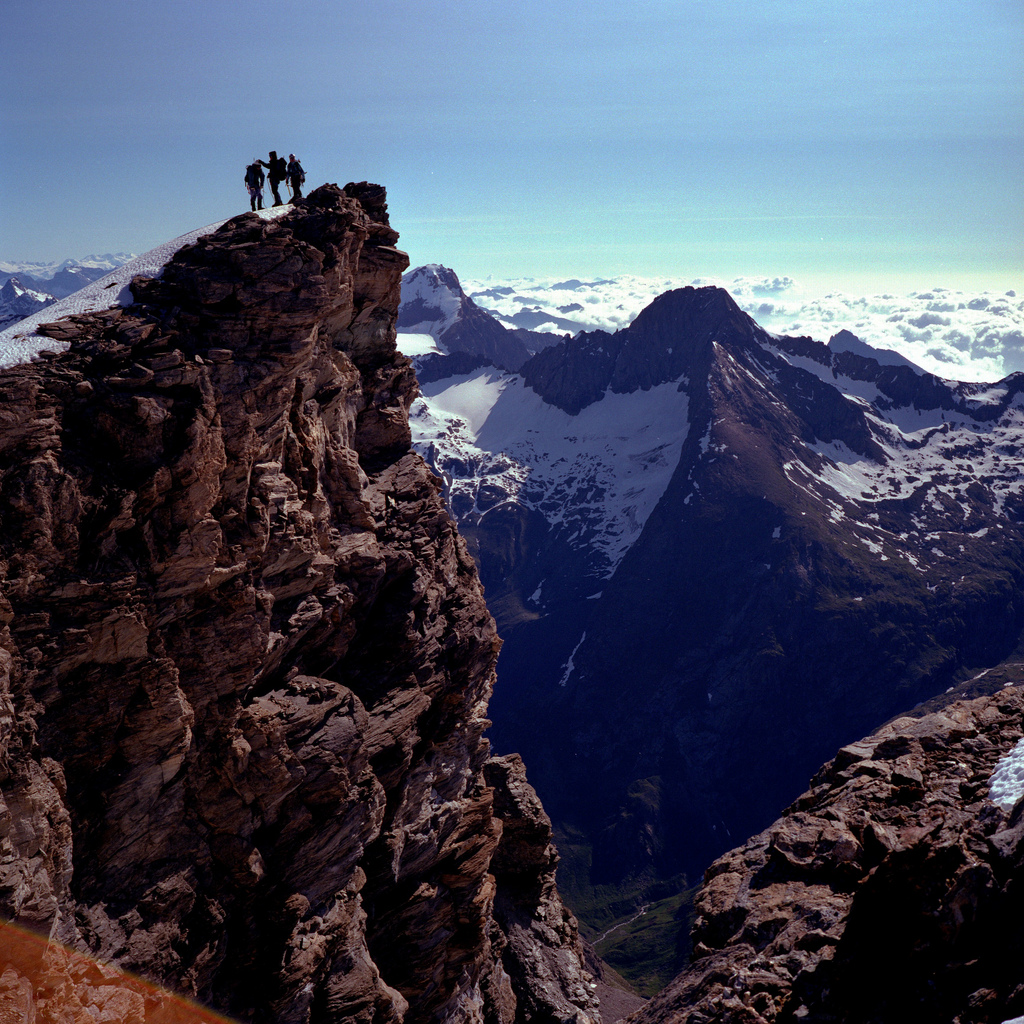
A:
(595, 476)
(413, 345)
(1006, 785)
(20, 343)
(943, 458)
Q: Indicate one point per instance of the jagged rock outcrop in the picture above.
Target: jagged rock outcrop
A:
(246, 659)
(892, 890)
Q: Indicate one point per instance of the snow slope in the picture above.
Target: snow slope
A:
(20, 343)
(595, 477)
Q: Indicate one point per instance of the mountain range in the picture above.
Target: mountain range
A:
(27, 288)
(246, 666)
(64, 277)
(715, 556)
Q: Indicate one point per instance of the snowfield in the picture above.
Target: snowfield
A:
(20, 343)
(413, 345)
(1006, 786)
(595, 477)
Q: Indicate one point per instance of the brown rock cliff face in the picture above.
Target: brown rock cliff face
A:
(245, 659)
(893, 890)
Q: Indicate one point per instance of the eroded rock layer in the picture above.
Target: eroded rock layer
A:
(246, 660)
(893, 890)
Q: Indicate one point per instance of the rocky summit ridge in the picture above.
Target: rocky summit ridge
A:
(245, 662)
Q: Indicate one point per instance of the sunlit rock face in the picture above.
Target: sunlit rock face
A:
(246, 659)
(890, 890)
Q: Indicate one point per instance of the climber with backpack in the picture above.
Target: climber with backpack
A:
(296, 176)
(276, 173)
(254, 185)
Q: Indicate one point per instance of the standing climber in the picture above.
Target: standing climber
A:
(276, 173)
(254, 184)
(296, 176)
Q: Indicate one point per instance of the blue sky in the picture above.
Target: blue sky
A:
(864, 144)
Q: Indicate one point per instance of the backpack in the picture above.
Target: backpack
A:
(252, 176)
(280, 169)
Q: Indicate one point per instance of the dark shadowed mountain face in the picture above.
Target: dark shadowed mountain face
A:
(716, 555)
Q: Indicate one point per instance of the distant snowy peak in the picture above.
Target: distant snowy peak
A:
(434, 303)
(845, 341)
(45, 271)
(18, 302)
(14, 289)
(108, 261)
(64, 278)
(432, 299)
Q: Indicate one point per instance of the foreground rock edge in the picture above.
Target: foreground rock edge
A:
(246, 660)
(891, 890)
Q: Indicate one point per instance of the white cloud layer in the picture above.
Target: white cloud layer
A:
(977, 336)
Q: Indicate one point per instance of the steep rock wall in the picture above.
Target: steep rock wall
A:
(245, 659)
(890, 891)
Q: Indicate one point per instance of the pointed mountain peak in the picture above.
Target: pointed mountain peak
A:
(434, 303)
(444, 276)
(670, 340)
(431, 300)
(846, 341)
(701, 315)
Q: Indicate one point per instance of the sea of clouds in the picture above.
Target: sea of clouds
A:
(959, 335)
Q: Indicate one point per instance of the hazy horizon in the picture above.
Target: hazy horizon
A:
(860, 146)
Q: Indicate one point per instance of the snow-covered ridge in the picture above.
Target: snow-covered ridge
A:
(20, 343)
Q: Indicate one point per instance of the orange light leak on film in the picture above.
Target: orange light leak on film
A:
(125, 997)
